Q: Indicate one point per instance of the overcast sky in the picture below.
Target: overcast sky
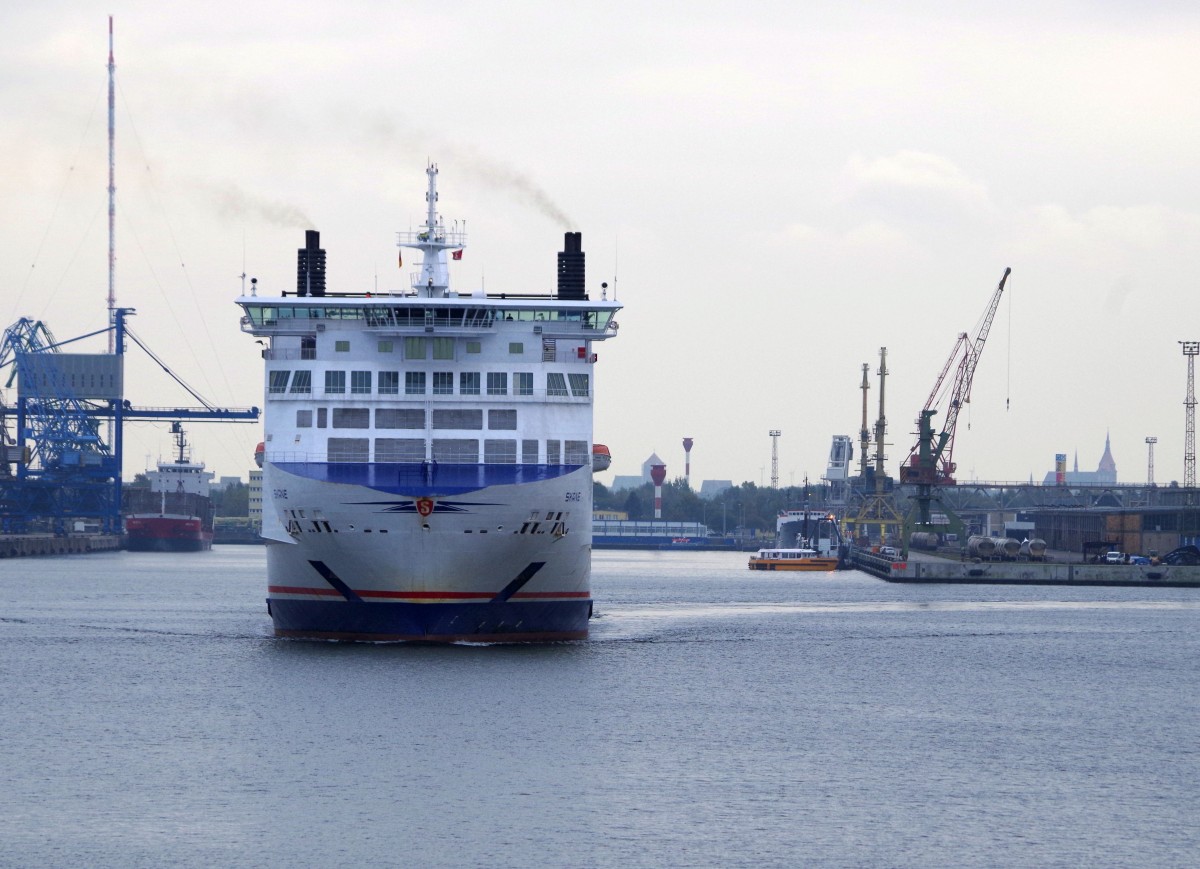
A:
(777, 190)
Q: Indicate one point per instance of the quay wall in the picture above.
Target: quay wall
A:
(31, 545)
(1025, 572)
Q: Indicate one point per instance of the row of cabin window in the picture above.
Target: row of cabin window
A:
(420, 348)
(407, 418)
(496, 451)
(416, 383)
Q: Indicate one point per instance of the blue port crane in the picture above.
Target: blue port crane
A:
(64, 468)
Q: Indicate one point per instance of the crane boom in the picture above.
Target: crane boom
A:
(931, 461)
(961, 393)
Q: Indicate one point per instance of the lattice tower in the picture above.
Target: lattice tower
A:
(1150, 442)
(775, 433)
(1190, 350)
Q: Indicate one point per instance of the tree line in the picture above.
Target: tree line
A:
(231, 500)
(739, 509)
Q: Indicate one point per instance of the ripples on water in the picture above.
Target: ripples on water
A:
(715, 718)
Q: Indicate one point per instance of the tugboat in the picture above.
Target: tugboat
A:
(176, 513)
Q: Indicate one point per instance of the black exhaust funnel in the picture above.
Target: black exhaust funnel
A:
(571, 279)
(310, 266)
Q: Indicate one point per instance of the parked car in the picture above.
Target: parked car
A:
(1138, 559)
(888, 551)
(1113, 558)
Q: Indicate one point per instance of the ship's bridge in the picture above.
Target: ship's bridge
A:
(465, 315)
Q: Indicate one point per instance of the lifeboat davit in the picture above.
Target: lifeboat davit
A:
(601, 458)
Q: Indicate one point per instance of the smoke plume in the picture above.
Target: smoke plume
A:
(485, 170)
(232, 202)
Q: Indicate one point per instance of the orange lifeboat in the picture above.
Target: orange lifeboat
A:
(258, 453)
(601, 458)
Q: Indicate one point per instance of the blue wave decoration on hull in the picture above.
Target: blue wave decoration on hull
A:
(483, 622)
(419, 479)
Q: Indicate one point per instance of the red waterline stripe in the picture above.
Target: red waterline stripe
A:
(424, 595)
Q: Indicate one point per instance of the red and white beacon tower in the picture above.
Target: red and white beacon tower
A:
(658, 473)
(687, 461)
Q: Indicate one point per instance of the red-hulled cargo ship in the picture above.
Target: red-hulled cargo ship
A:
(176, 513)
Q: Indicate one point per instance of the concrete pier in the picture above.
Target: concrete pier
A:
(29, 545)
(931, 569)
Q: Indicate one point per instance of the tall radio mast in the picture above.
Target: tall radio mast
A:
(112, 192)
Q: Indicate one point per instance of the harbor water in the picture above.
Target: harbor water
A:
(716, 717)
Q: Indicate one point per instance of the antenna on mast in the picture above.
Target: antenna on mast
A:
(112, 192)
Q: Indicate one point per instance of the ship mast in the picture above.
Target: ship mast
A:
(433, 278)
(112, 193)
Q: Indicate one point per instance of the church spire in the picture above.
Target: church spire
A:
(1107, 464)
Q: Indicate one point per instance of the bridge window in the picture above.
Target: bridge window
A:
(389, 417)
(529, 452)
(456, 450)
(502, 420)
(414, 348)
(468, 383)
(579, 385)
(399, 449)
(499, 452)
(458, 418)
(577, 453)
(349, 449)
(302, 383)
(351, 417)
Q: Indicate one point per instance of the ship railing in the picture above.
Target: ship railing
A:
(290, 353)
(447, 237)
(314, 311)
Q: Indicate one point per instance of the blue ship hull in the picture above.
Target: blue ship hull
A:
(485, 622)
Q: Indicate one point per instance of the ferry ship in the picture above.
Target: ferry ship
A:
(427, 460)
(175, 514)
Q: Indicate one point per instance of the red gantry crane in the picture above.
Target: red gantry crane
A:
(931, 461)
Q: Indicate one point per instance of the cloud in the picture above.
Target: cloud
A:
(1146, 227)
(915, 184)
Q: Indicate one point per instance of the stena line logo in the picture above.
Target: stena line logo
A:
(424, 506)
